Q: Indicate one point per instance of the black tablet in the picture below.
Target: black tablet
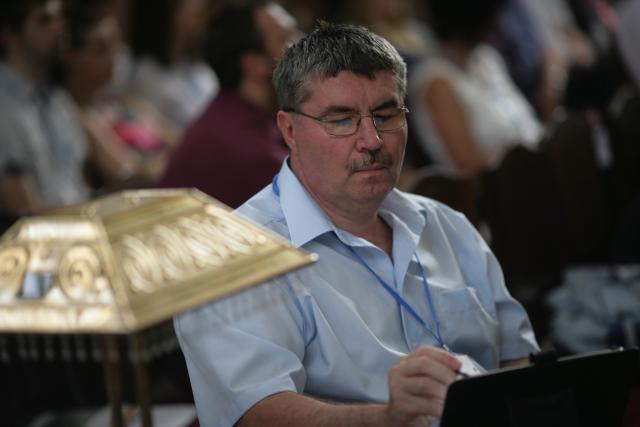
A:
(578, 391)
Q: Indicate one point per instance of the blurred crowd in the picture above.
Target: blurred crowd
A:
(524, 114)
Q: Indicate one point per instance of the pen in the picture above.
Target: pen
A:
(462, 374)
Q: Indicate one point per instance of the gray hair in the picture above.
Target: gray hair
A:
(328, 50)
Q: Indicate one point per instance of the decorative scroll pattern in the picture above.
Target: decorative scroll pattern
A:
(81, 276)
(168, 253)
(13, 264)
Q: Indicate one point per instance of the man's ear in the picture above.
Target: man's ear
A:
(285, 124)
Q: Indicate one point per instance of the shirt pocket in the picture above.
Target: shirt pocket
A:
(467, 325)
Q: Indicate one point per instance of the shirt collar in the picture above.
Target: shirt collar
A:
(307, 221)
(402, 208)
(408, 220)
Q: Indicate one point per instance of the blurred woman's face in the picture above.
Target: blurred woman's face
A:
(388, 11)
(190, 21)
(95, 61)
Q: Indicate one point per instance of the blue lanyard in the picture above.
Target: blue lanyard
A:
(399, 299)
(274, 186)
(403, 302)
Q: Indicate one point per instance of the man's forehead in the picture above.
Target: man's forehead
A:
(350, 87)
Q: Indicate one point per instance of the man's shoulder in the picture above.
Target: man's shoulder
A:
(11, 107)
(211, 125)
(222, 120)
(16, 118)
(264, 209)
(435, 211)
(62, 99)
(417, 201)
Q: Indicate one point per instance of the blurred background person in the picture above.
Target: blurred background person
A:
(308, 12)
(166, 38)
(466, 109)
(235, 148)
(520, 44)
(42, 148)
(127, 134)
(396, 21)
(563, 46)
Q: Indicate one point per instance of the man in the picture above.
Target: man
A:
(234, 148)
(42, 149)
(405, 293)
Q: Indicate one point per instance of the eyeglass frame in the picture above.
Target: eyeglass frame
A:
(322, 120)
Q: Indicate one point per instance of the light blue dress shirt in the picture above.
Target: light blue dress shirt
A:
(41, 138)
(336, 331)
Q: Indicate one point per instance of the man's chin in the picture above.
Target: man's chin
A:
(374, 189)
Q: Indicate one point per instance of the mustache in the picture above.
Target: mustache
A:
(373, 158)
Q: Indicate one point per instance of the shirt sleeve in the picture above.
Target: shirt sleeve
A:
(482, 271)
(517, 339)
(242, 349)
(12, 148)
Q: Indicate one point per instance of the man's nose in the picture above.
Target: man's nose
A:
(368, 136)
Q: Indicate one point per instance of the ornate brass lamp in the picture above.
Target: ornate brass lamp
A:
(121, 264)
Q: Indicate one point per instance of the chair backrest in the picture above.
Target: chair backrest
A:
(519, 203)
(457, 192)
(549, 208)
(624, 124)
(582, 186)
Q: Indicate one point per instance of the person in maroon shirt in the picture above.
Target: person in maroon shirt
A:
(235, 148)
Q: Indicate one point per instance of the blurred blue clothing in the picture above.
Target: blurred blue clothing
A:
(338, 332)
(41, 139)
(520, 45)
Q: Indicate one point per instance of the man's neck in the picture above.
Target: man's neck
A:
(34, 73)
(371, 228)
(360, 219)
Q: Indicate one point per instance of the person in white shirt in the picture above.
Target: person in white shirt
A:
(169, 72)
(468, 113)
(42, 148)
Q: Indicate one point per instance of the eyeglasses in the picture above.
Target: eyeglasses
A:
(346, 124)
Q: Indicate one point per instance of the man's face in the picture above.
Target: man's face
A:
(42, 35)
(337, 170)
(190, 23)
(95, 60)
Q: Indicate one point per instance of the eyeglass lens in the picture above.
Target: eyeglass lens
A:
(348, 124)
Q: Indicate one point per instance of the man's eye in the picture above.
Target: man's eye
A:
(385, 115)
(381, 118)
(340, 121)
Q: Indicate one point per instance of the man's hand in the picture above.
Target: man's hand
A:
(417, 388)
(418, 385)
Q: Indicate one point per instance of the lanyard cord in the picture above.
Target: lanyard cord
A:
(274, 186)
(432, 308)
(402, 302)
(399, 299)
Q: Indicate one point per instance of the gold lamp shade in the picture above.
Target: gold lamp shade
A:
(124, 262)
